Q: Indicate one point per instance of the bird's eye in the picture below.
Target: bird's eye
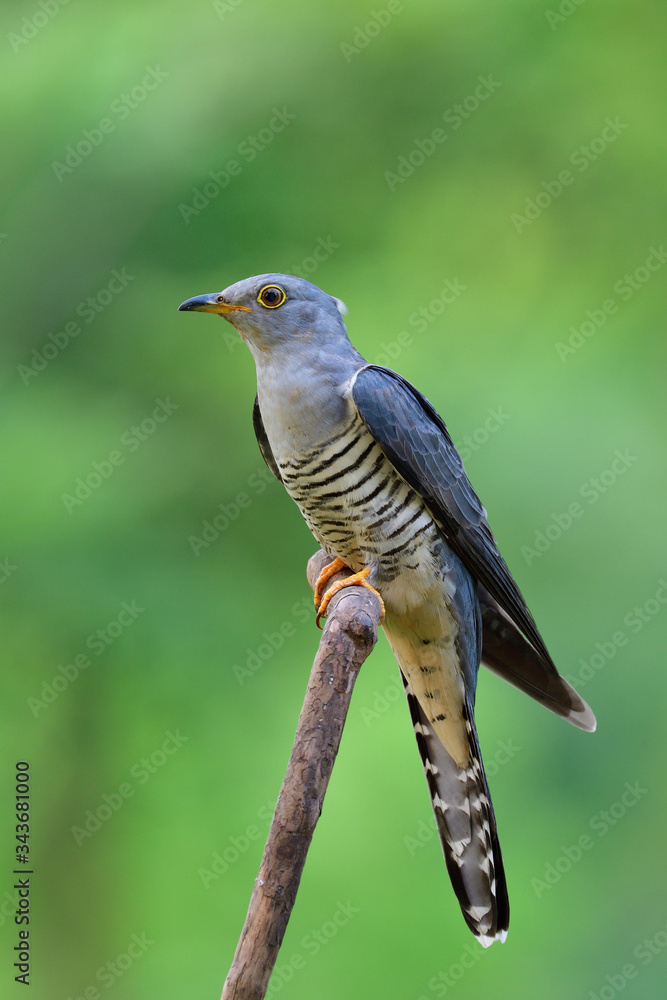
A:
(271, 296)
(220, 298)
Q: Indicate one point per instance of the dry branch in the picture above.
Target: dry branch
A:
(348, 638)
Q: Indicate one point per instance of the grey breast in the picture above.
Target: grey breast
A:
(355, 502)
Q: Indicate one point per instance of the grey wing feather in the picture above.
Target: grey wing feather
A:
(507, 653)
(416, 441)
(263, 441)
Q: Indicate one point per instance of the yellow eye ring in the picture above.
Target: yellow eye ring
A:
(271, 296)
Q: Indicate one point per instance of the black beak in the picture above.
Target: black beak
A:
(200, 303)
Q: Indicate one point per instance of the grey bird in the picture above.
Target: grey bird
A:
(374, 472)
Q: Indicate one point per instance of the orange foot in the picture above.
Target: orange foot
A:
(326, 574)
(356, 580)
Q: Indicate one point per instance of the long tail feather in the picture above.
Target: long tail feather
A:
(467, 827)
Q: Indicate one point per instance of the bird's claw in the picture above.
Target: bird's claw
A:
(356, 580)
(325, 575)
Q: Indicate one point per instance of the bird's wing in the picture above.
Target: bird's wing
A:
(507, 653)
(263, 441)
(417, 443)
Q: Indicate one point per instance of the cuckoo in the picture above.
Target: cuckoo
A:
(374, 472)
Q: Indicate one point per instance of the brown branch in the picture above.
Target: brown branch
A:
(348, 638)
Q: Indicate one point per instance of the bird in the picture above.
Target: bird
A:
(379, 482)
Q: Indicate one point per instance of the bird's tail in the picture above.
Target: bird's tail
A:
(467, 827)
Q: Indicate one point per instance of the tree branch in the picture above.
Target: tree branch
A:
(348, 638)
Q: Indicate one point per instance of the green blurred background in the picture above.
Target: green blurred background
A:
(168, 93)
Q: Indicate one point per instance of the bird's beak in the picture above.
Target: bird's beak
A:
(211, 304)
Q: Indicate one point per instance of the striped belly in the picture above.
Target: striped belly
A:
(361, 510)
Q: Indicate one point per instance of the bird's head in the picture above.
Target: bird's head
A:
(275, 311)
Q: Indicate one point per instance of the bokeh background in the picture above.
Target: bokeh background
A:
(156, 624)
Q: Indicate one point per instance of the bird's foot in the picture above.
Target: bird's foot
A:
(326, 574)
(356, 580)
